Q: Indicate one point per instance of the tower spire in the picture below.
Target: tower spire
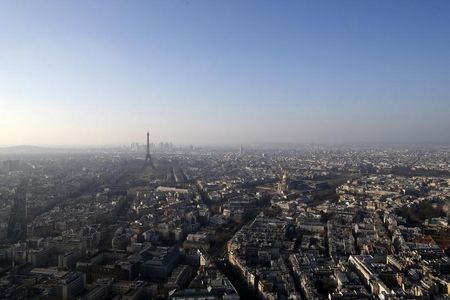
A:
(148, 158)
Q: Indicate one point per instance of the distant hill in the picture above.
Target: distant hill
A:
(29, 149)
(24, 149)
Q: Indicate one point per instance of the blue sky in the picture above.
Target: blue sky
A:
(209, 72)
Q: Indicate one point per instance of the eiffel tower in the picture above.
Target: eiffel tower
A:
(148, 158)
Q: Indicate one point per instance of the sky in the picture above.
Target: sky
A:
(224, 72)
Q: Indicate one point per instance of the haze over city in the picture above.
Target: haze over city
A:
(224, 149)
(219, 72)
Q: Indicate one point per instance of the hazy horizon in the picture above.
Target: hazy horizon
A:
(245, 146)
(224, 72)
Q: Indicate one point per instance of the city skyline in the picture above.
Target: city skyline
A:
(231, 72)
(225, 149)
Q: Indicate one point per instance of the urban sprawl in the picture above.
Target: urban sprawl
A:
(168, 222)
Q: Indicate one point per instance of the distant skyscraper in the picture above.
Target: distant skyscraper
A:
(134, 147)
(148, 158)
